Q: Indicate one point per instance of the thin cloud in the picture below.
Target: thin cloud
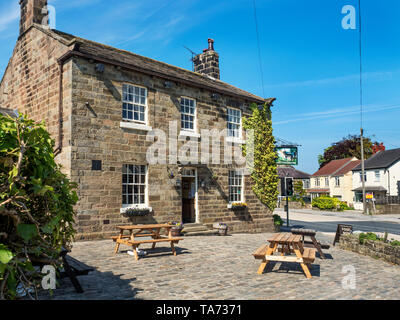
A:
(380, 75)
(338, 113)
(9, 15)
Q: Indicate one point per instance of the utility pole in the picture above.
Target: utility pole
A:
(363, 172)
(361, 110)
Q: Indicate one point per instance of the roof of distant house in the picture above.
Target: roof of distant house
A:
(107, 54)
(348, 167)
(289, 171)
(332, 167)
(382, 159)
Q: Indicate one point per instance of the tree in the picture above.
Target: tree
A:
(36, 204)
(264, 170)
(349, 146)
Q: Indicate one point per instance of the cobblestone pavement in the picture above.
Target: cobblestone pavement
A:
(217, 267)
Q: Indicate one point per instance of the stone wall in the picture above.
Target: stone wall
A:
(97, 135)
(387, 209)
(31, 84)
(375, 249)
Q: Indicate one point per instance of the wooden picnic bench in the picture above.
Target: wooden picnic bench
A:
(314, 243)
(285, 243)
(144, 230)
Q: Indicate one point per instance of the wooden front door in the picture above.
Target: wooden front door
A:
(188, 199)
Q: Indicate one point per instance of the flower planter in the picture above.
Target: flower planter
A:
(176, 231)
(223, 231)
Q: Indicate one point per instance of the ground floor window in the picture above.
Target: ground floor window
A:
(134, 184)
(235, 186)
(358, 197)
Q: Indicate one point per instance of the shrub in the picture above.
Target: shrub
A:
(277, 220)
(395, 243)
(368, 236)
(36, 204)
(326, 203)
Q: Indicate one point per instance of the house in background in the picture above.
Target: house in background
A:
(382, 176)
(297, 175)
(335, 180)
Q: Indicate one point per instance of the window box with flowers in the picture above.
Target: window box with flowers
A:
(136, 211)
(237, 205)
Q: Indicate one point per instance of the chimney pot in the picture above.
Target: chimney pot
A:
(211, 44)
(207, 63)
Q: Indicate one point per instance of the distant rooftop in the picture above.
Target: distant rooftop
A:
(289, 171)
(382, 159)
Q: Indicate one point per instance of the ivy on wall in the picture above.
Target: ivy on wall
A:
(264, 170)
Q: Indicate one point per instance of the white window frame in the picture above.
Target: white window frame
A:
(133, 103)
(377, 175)
(194, 130)
(146, 185)
(326, 181)
(337, 181)
(365, 175)
(317, 182)
(235, 123)
(236, 172)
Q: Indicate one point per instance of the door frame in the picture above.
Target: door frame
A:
(196, 194)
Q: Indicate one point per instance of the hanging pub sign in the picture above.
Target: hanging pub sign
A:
(287, 155)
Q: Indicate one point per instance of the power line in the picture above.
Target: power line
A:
(259, 48)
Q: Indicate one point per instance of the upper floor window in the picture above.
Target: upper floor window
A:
(235, 186)
(188, 114)
(134, 103)
(337, 181)
(306, 184)
(317, 182)
(326, 182)
(377, 176)
(134, 185)
(365, 177)
(234, 123)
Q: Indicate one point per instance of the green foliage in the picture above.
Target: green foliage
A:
(327, 203)
(372, 236)
(395, 243)
(349, 146)
(277, 220)
(36, 203)
(264, 170)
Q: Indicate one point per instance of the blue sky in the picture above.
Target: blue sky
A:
(310, 64)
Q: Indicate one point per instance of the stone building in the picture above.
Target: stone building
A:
(102, 104)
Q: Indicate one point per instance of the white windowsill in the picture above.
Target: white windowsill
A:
(123, 210)
(184, 133)
(134, 125)
(235, 140)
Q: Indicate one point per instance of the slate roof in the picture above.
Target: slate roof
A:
(332, 167)
(154, 67)
(382, 159)
(289, 171)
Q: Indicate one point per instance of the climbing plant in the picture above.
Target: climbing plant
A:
(262, 146)
(36, 205)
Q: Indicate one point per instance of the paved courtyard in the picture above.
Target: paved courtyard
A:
(217, 267)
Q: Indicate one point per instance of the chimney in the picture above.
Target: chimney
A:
(207, 63)
(32, 11)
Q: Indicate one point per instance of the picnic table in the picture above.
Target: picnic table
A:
(286, 243)
(136, 232)
(314, 243)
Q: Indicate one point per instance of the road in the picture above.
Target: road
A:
(328, 221)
